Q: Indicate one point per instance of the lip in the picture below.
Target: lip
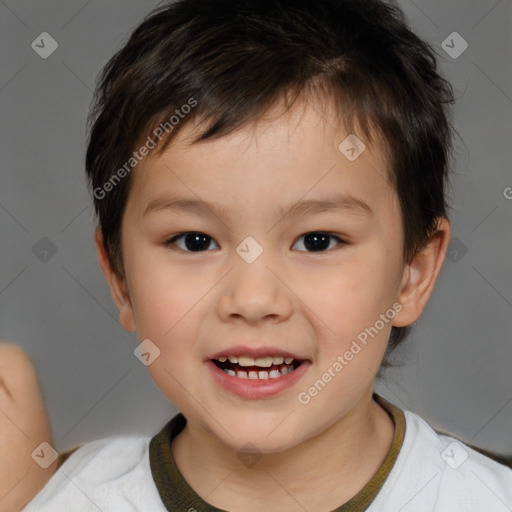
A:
(242, 350)
(257, 388)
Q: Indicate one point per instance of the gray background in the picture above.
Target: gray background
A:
(458, 361)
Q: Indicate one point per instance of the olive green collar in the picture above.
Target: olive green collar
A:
(177, 495)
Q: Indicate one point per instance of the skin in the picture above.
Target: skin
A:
(24, 425)
(313, 304)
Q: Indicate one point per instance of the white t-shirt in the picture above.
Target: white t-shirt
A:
(432, 472)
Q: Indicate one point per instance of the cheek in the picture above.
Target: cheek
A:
(164, 296)
(165, 314)
(348, 300)
(359, 288)
(163, 304)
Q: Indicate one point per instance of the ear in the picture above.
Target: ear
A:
(420, 276)
(117, 285)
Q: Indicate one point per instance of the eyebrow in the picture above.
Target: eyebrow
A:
(337, 202)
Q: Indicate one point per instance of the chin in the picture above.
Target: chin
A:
(259, 438)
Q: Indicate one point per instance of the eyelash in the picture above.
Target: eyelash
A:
(172, 240)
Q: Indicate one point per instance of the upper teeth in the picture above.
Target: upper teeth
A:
(265, 362)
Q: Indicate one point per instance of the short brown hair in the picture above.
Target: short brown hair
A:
(237, 58)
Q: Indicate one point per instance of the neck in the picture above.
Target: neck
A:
(321, 473)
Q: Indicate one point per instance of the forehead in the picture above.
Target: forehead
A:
(281, 158)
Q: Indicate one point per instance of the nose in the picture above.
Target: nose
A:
(255, 293)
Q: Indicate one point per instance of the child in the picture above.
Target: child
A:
(269, 179)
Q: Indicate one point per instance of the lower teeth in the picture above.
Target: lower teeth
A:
(262, 375)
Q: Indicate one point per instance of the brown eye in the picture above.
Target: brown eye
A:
(318, 241)
(191, 241)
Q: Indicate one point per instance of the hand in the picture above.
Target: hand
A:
(24, 425)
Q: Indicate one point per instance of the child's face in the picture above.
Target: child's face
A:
(311, 304)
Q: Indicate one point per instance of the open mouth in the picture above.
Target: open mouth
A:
(263, 368)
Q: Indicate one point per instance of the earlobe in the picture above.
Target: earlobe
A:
(117, 285)
(420, 276)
